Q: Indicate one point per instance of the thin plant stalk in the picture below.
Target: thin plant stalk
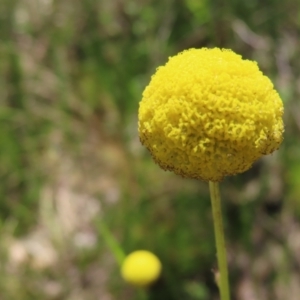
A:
(112, 243)
(222, 281)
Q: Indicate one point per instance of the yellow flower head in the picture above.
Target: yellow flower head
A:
(141, 268)
(208, 113)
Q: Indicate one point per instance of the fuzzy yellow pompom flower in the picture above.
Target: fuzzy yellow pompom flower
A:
(141, 268)
(208, 113)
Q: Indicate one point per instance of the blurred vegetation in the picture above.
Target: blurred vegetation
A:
(71, 77)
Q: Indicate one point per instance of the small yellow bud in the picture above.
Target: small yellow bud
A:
(141, 268)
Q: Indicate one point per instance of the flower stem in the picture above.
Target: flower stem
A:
(111, 242)
(220, 240)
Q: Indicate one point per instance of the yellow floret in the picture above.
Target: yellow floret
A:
(141, 268)
(208, 113)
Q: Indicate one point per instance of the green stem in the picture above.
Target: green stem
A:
(142, 294)
(111, 242)
(220, 240)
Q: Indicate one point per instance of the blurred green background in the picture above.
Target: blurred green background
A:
(71, 77)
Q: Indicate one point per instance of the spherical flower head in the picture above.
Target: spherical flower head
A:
(208, 113)
(141, 268)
